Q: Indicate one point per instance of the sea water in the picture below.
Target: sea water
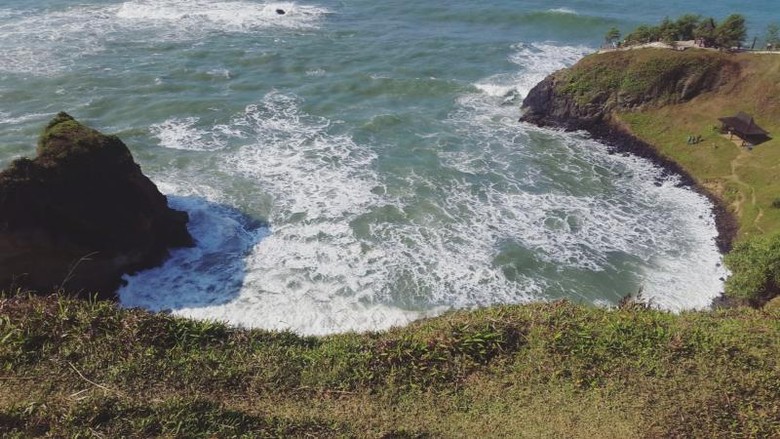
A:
(355, 165)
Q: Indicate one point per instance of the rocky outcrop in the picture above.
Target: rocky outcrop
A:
(587, 95)
(81, 214)
(590, 91)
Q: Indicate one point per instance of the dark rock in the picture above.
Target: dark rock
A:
(280, 11)
(81, 214)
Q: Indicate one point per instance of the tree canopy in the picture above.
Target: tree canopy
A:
(730, 33)
(773, 34)
(612, 36)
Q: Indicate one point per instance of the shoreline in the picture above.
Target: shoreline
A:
(620, 140)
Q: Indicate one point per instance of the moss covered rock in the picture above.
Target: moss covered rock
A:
(588, 92)
(81, 214)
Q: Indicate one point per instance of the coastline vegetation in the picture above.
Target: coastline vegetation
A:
(664, 97)
(731, 32)
(76, 368)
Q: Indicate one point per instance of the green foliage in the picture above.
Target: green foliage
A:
(176, 417)
(686, 26)
(755, 268)
(73, 368)
(667, 31)
(773, 35)
(632, 78)
(644, 34)
(705, 32)
(612, 35)
(731, 32)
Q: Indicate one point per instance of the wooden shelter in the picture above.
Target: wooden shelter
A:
(745, 128)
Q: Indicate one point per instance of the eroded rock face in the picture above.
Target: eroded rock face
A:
(81, 214)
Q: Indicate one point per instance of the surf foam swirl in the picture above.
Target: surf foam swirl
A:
(664, 232)
(48, 42)
(499, 213)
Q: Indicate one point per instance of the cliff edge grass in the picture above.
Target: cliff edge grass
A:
(73, 368)
(651, 101)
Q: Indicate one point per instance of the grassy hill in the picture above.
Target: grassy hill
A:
(73, 368)
(663, 97)
(748, 180)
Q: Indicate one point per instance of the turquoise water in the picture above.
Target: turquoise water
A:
(358, 165)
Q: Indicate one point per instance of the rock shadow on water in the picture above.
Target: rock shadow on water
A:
(209, 274)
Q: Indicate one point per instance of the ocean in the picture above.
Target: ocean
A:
(357, 165)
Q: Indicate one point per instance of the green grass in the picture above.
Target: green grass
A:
(748, 180)
(77, 368)
(631, 78)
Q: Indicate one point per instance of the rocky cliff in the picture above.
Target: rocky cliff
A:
(81, 214)
(590, 91)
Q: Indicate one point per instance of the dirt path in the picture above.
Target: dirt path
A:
(739, 203)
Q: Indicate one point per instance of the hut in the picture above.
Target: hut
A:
(745, 128)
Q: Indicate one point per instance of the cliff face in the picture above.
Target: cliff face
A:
(587, 93)
(81, 214)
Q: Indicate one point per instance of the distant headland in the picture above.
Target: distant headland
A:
(665, 105)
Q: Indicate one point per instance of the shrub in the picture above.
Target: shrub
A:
(755, 267)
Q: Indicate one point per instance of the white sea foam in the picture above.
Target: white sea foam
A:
(311, 273)
(668, 228)
(11, 121)
(50, 41)
(567, 11)
(183, 133)
(228, 16)
(351, 248)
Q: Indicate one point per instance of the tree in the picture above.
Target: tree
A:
(773, 35)
(612, 36)
(686, 26)
(667, 31)
(705, 32)
(644, 34)
(732, 32)
(755, 270)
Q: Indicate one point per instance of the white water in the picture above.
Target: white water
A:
(315, 272)
(356, 166)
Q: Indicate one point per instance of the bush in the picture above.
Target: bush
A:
(776, 203)
(755, 267)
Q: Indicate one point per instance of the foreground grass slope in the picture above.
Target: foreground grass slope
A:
(75, 368)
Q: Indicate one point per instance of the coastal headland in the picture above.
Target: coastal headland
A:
(652, 101)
